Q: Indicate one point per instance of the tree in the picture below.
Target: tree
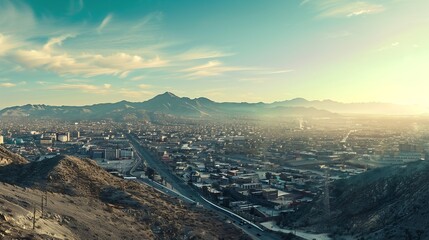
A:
(205, 190)
(150, 173)
(215, 185)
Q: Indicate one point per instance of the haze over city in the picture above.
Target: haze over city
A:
(83, 52)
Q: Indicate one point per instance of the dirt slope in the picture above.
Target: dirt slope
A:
(7, 157)
(88, 201)
(385, 203)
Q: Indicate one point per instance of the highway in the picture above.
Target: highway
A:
(182, 188)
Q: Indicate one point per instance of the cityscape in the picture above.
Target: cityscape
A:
(254, 173)
(214, 120)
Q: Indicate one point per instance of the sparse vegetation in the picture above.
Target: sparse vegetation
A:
(385, 203)
(102, 206)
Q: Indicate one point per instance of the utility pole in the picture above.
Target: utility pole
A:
(41, 206)
(46, 198)
(34, 217)
(44, 202)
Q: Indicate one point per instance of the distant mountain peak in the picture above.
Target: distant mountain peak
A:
(299, 100)
(165, 97)
(169, 94)
(203, 99)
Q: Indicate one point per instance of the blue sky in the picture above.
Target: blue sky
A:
(83, 52)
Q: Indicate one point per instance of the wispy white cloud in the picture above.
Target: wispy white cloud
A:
(214, 93)
(212, 68)
(218, 68)
(76, 80)
(137, 78)
(134, 94)
(87, 88)
(56, 41)
(203, 53)
(124, 61)
(362, 8)
(389, 46)
(6, 44)
(144, 86)
(104, 23)
(7, 84)
(143, 22)
(303, 2)
(13, 14)
(87, 65)
(277, 71)
(253, 79)
(75, 6)
(124, 74)
(344, 8)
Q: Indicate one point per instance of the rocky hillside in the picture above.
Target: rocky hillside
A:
(86, 202)
(7, 157)
(385, 203)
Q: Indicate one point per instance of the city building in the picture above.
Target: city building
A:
(51, 135)
(112, 154)
(126, 153)
(45, 140)
(97, 153)
(62, 137)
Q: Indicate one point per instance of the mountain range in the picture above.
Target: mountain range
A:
(170, 104)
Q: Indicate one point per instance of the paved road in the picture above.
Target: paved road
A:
(165, 189)
(184, 189)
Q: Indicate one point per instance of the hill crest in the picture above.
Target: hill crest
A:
(384, 203)
(154, 215)
(7, 157)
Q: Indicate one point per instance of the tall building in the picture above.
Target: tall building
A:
(1, 139)
(74, 134)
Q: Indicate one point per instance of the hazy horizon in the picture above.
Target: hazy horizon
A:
(82, 53)
(180, 96)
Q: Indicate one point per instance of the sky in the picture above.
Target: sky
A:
(78, 52)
